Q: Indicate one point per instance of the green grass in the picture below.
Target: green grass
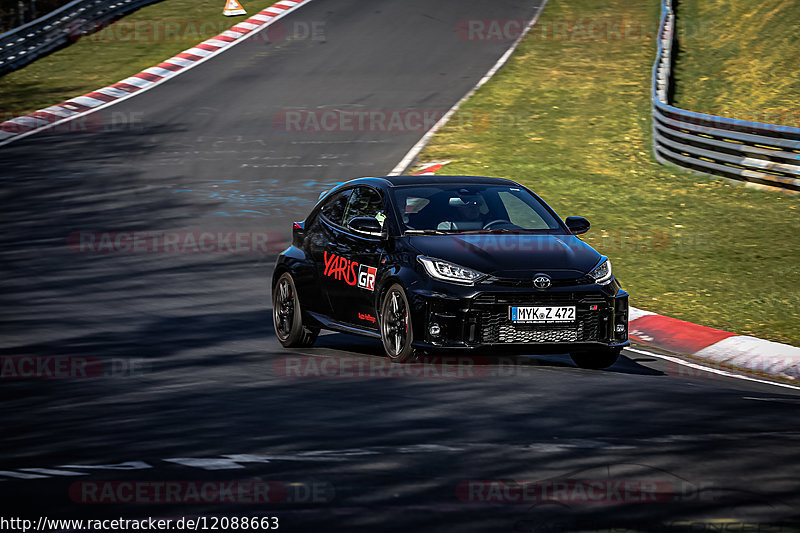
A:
(570, 117)
(136, 42)
(739, 59)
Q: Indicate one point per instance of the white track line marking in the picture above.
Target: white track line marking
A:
(130, 465)
(417, 148)
(712, 370)
(53, 472)
(206, 464)
(777, 400)
(21, 475)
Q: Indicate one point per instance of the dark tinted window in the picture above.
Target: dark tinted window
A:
(364, 202)
(333, 208)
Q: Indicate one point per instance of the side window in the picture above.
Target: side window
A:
(334, 207)
(365, 202)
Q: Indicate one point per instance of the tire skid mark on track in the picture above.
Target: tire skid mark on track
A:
(228, 461)
(558, 446)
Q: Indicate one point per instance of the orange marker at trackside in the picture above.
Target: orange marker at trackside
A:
(233, 8)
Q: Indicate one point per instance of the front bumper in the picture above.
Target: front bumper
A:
(478, 317)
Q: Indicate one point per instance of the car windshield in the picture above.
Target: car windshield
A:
(472, 208)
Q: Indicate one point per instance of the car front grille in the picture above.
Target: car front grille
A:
(485, 299)
(528, 283)
(495, 326)
(510, 333)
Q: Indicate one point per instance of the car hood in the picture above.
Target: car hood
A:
(512, 255)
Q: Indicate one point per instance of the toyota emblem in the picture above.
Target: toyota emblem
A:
(542, 282)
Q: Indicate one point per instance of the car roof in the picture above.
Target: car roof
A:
(400, 181)
(426, 180)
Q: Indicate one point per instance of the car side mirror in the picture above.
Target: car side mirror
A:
(578, 225)
(366, 225)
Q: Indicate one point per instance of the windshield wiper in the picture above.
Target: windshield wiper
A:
(501, 230)
(426, 232)
(472, 231)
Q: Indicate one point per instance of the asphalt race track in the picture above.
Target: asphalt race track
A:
(187, 385)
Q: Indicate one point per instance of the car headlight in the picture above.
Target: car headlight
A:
(447, 271)
(602, 273)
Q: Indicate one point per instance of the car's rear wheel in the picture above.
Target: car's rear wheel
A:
(396, 330)
(288, 317)
(596, 359)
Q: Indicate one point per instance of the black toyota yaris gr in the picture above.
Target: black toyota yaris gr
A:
(428, 263)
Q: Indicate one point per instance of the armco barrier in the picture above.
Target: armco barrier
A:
(27, 43)
(766, 154)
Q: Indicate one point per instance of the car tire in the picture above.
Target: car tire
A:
(287, 317)
(397, 333)
(596, 359)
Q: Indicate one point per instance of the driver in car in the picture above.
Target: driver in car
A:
(467, 214)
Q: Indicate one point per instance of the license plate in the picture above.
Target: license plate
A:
(547, 314)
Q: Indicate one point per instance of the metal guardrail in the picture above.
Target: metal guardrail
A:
(27, 43)
(766, 154)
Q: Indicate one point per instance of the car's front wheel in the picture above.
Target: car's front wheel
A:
(596, 359)
(287, 315)
(396, 330)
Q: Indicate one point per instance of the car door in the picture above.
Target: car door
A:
(320, 245)
(354, 268)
